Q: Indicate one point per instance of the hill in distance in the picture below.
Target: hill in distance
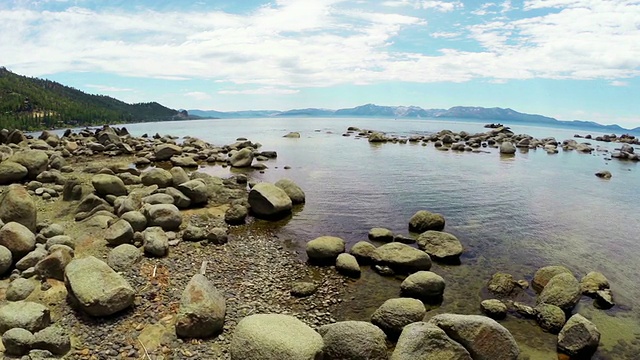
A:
(31, 103)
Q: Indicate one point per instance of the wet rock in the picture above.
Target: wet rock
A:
(354, 340)
(592, 282)
(11, 172)
(363, 251)
(423, 285)
(108, 185)
(17, 205)
(293, 135)
(604, 299)
(524, 310)
(269, 201)
(166, 216)
(494, 308)
(303, 289)
(274, 336)
(507, 148)
(483, 337)
(18, 239)
(294, 191)
(236, 214)
(156, 242)
(123, 257)
(24, 314)
(424, 220)
(348, 265)
(54, 339)
(440, 245)
(421, 340)
(544, 274)
(394, 314)
(562, 290)
(401, 258)
(604, 174)
(195, 190)
(120, 232)
(6, 259)
(241, 158)
(501, 284)
(579, 337)
(20, 289)
(17, 341)
(160, 177)
(325, 249)
(550, 318)
(96, 288)
(380, 234)
(202, 310)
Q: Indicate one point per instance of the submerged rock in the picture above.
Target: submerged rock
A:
(354, 340)
(544, 274)
(269, 201)
(579, 337)
(440, 245)
(394, 314)
(401, 257)
(562, 290)
(421, 340)
(424, 220)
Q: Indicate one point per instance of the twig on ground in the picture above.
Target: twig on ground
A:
(203, 268)
(155, 268)
(145, 349)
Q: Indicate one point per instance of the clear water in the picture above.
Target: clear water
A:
(512, 214)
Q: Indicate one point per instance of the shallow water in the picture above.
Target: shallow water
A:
(512, 214)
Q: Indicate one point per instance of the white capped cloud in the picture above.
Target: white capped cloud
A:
(437, 5)
(198, 95)
(445, 34)
(619, 83)
(260, 91)
(105, 88)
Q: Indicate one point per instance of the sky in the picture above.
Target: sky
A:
(569, 59)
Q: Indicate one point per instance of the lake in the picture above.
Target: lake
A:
(512, 214)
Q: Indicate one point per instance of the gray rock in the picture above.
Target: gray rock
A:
(483, 337)
(380, 234)
(184, 161)
(440, 245)
(20, 289)
(217, 236)
(550, 318)
(348, 265)
(123, 257)
(160, 177)
(501, 284)
(24, 314)
(507, 148)
(524, 310)
(562, 290)
(179, 176)
(293, 135)
(494, 308)
(325, 249)
(136, 219)
(11, 172)
(180, 200)
(52, 230)
(423, 285)
(236, 214)
(394, 314)
(294, 191)
(303, 289)
(17, 341)
(425, 341)
(604, 174)
(241, 158)
(274, 336)
(353, 340)
(60, 240)
(156, 242)
(194, 233)
(165, 152)
(158, 198)
(53, 265)
(120, 232)
(401, 258)
(544, 274)
(96, 288)
(17, 205)
(91, 202)
(195, 190)
(6, 259)
(594, 281)
(579, 337)
(202, 309)
(53, 339)
(106, 184)
(269, 201)
(363, 251)
(604, 299)
(424, 220)
(167, 217)
(35, 161)
(18, 239)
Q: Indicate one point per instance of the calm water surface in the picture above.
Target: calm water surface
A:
(512, 214)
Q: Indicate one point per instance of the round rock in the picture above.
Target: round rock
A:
(354, 340)
(424, 220)
(494, 308)
(325, 249)
(394, 314)
(421, 340)
(401, 258)
(424, 285)
(363, 251)
(440, 245)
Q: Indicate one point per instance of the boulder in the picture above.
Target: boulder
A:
(106, 184)
(550, 318)
(166, 216)
(184, 161)
(425, 341)
(423, 285)
(179, 176)
(24, 314)
(32, 258)
(592, 282)
(90, 203)
(54, 339)
(120, 232)
(501, 284)
(60, 240)
(218, 236)
(380, 234)
(158, 198)
(123, 257)
(440, 245)
(17, 205)
(11, 172)
(353, 340)
(348, 265)
(194, 233)
(52, 230)
(293, 135)
(401, 258)
(424, 220)
(18, 239)
(377, 137)
(241, 158)
(156, 241)
(165, 152)
(507, 147)
(20, 289)
(17, 341)
(202, 309)
(494, 308)
(604, 174)
(303, 289)
(157, 176)
(53, 265)
(269, 201)
(325, 249)
(544, 274)
(180, 200)
(195, 190)
(483, 337)
(394, 314)
(562, 290)
(6, 259)
(136, 219)
(236, 214)
(275, 336)
(35, 161)
(579, 337)
(96, 288)
(294, 191)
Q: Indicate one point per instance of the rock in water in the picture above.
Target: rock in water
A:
(421, 340)
(507, 148)
(424, 220)
(325, 249)
(501, 284)
(380, 234)
(275, 336)
(293, 135)
(401, 257)
(294, 191)
(242, 158)
(544, 274)
(202, 309)
(353, 340)
(363, 251)
(24, 314)
(439, 244)
(97, 289)
(17, 205)
(423, 285)
(550, 318)
(348, 265)
(562, 290)
(494, 308)
(483, 337)
(18, 239)
(394, 314)
(604, 174)
(592, 282)
(269, 201)
(579, 337)
(166, 151)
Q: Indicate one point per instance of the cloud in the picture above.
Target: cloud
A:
(104, 88)
(619, 83)
(437, 5)
(445, 35)
(260, 91)
(198, 95)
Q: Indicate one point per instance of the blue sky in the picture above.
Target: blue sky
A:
(570, 59)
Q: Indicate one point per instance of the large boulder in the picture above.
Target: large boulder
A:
(294, 191)
(424, 285)
(157, 176)
(363, 251)
(440, 245)
(483, 337)
(136, 219)
(347, 264)
(6, 259)
(179, 175)
(11, 172)
(562, 290)
(24, 314)
(195, 190)
(550, 317)
(17, 341)
(35, 161)
(275, 336)
(594, 281)
(325, 249)
(579, 337)
(544, 274)
(53, 265)
(353, 340)
(123, 257)
(507, 148)
(241, 158)
(202, 309)
(120, 232)
(501, 284)
(17, 205)
(425, 341)
(424, 220)
(166, 216)
(167, 151)
(156, 241)
(401, 257)
(394, 314)
(18, 239)
(269, 201)
(106, 184)
(97, 288)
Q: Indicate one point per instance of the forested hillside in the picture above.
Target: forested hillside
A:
(31, 103)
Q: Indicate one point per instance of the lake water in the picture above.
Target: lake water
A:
(512, 214)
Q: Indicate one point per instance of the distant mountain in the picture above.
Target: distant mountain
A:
(456, 112)
(31, 103)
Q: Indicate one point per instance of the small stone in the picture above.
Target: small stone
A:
(303, 289)
(494, 308)
(17, 341)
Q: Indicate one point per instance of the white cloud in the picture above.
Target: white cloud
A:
(198, 95)
(445, 35)
(105, 88)
(619, 83)
(437, 5)
(260, 91)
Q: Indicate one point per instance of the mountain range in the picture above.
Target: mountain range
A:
(509, 116)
